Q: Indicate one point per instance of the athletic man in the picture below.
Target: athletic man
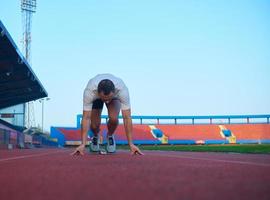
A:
(108, 89)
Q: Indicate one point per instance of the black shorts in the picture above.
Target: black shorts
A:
(98, 104)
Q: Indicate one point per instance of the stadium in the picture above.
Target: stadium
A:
(185, 156)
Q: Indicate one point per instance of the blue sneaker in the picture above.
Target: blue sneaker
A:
(111, 146)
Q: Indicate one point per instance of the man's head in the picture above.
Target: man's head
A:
(106, 90)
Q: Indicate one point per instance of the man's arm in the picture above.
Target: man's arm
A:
(85, 126)
(128, 129)
(127, 124)
(84, 130)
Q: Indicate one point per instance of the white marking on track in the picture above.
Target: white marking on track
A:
(211, 159)
(30, 156)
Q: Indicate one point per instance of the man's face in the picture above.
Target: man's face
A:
(106, 98)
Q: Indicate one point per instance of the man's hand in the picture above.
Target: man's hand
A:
(79, 150)
(135, 150)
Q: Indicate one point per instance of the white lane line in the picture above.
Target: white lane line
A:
(30, 156)
(211, 159)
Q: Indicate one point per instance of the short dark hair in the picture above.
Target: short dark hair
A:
(106, 86)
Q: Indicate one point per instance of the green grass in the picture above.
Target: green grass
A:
(237, 148)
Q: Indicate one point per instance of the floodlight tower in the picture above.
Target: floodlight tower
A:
(28, 7)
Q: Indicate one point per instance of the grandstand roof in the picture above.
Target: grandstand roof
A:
(14, 127)
(18, 83)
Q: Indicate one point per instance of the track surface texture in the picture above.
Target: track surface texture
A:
(53, 174)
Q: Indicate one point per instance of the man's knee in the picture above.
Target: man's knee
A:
(95, 127)
(113, 121)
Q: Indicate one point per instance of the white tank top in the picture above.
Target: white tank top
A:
(91, 94)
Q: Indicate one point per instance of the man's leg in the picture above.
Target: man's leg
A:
(95, 121)
(113, 112)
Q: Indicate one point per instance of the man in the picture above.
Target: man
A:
(108, 89)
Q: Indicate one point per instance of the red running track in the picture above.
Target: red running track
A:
(54, 174)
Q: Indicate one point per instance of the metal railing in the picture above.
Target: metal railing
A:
(214, 119)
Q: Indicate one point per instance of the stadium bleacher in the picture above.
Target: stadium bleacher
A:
(192, 133)
(189, 134)
(18, 84)
(251, 133)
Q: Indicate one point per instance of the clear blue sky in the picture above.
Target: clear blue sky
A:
(177, 57)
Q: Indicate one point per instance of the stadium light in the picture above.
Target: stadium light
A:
(42, 101)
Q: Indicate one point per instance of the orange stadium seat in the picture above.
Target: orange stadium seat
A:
(250, 133)
(189, 134)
